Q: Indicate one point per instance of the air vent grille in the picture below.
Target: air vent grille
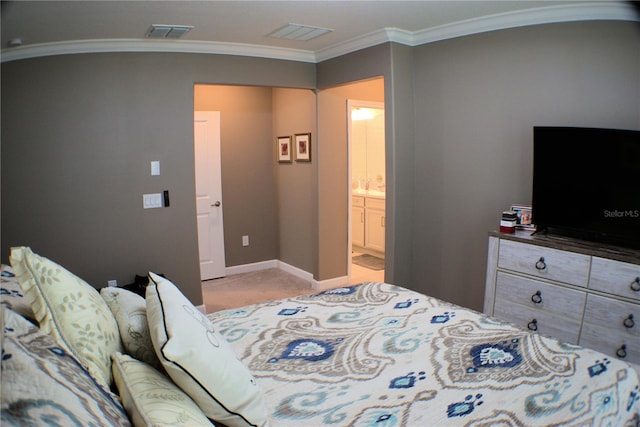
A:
(160, 31)
(298, 32)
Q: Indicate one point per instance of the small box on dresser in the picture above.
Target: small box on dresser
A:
(580, 292)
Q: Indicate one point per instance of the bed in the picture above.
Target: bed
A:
(376, 354)
(372, 354)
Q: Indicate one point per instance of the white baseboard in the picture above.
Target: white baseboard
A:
(247, 268)
(295, 271)
(336, 282)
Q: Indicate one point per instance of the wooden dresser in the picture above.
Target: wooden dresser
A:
(580, 292)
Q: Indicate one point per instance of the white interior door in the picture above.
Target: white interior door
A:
(206, 129)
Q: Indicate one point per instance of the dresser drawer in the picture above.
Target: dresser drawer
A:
(610, 343)
(615, 277)
(548, 263)
(357, 201)
(539, 296)
(617, 316)
(543, 322)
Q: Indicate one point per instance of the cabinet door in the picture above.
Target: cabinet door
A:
(357, 226)
(375, 226)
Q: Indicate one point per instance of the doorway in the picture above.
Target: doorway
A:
(367, 192)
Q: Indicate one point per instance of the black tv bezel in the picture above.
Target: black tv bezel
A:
(597, 235)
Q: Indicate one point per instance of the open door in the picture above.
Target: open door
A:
(206, 130)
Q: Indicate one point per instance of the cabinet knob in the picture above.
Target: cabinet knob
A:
(537, 297)
(533, 325)
(622, 351)
(635, 285)
(629, 322)
(541, 265)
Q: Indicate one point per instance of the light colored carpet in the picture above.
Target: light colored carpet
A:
(265, 285)
(250, 288)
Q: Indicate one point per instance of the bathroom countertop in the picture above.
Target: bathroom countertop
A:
(368, 193)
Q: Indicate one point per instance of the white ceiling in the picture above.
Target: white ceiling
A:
(241, 27)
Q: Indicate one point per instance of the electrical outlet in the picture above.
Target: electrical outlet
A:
(112, 283)
(245, 240)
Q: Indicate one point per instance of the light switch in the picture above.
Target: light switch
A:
(155, 168)
(150, 201)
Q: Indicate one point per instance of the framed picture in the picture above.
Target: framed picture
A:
(284, 149)
(303, 147)
(523, 213)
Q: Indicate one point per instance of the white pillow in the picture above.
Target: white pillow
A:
(70, 310)
(130, 311)
(199, 360)
(151, 399)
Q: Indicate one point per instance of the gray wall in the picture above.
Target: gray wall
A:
(78, 133)
(459, 133)
(394, 63)
(294, 111)
(476, 101)
(333, 179)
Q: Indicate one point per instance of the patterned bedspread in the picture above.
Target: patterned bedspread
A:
(381, 355)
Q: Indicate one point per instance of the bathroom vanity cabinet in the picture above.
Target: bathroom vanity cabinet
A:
(368, 221)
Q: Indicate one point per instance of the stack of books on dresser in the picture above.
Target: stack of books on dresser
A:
(508, 222)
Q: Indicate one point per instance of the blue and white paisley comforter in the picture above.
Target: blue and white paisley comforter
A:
(381, 355)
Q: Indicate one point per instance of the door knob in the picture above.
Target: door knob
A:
(216, 204)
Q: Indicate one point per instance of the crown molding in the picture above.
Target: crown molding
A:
(589, 11)
(146, 45)
(596, 11)
(602, 11)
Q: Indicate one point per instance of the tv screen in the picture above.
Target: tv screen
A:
(586, 183)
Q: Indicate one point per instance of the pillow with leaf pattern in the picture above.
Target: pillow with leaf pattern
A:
(130, 311)
(70, 310)
(151, 398)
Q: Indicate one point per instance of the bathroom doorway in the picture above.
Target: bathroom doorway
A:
(367, 193)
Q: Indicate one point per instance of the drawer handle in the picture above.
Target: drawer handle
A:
(629, 322)
(635, 285)
(541, 265)
(533, 325)
(537, 297)
(622, 351)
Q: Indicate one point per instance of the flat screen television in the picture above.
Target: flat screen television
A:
(586, 184)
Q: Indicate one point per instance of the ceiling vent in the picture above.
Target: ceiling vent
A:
(157, 31)
(298, 32)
